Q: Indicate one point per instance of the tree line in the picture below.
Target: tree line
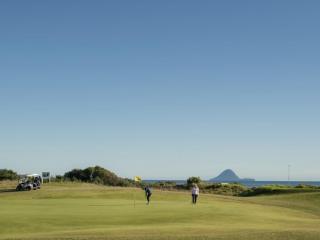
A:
(100, 175)
(7, 174)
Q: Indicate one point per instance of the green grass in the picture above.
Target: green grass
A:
(85, 211)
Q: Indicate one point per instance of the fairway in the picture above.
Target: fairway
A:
(87, 211)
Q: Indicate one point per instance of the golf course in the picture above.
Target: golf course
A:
(89, 211)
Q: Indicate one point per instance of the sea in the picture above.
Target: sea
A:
(250, 183)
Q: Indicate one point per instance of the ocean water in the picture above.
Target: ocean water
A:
(251, 183)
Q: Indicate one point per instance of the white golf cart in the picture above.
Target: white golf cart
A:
(28, 182)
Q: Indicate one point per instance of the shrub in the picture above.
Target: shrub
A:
(193, 180)
(97, 175)
(6, 174)
(277, 189)
(233, 189)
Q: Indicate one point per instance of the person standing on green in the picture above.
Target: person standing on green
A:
(194, 193)
(148, 192)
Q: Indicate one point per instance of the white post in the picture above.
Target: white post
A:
(134, 198)
(289, 166)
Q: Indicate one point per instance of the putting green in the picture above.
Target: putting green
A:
(86, 211)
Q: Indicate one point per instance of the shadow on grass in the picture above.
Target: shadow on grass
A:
(7, 190)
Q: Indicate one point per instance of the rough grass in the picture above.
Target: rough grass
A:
(278, 189)
(84, 211)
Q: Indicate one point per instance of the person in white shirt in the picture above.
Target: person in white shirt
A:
(195, 193)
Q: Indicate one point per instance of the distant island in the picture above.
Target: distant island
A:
(229, 175)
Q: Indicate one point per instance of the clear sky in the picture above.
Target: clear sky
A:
(161, 89)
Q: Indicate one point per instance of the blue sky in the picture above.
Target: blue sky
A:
(161, 89)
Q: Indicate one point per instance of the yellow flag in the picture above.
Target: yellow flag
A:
(137, 179)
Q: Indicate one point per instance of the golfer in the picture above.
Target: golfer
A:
(194, 193)
(148, 192)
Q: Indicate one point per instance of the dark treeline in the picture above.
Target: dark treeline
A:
(6, 174)
(96, 175)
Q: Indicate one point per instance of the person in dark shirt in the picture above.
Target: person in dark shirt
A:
(148, 192)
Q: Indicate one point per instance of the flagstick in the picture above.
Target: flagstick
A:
(136, 179)
(134, 198)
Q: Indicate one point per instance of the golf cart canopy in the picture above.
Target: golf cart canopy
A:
(26, 177)
(33, 175)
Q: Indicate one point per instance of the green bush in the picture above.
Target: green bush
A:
(233, 189)
(97, 175)
(6, 174)
(193, 180)
(278, 189)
